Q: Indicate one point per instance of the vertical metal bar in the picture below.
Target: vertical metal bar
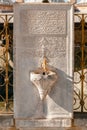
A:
(7, 45)
(82, 64)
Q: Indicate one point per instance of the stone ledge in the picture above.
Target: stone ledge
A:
(43, 123)
(6, 121)
(56, 128)
(74, 128)
(45, 128)
(8, 128)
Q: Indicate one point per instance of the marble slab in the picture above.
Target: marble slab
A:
(36, 25)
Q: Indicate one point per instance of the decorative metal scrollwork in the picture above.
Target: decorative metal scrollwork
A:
(6, 63)
(80, 64)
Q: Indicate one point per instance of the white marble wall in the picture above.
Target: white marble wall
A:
(50, 25)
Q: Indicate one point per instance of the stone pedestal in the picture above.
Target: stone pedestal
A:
(36, 25)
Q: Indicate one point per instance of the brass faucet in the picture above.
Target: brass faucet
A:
(44, 64)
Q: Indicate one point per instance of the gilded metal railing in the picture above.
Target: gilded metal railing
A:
(80, 64)
(6, 63)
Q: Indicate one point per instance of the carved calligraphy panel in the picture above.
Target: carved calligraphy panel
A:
(43, 22)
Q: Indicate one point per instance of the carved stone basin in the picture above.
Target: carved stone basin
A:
(44, 81)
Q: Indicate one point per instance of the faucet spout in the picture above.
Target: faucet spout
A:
(44, 64)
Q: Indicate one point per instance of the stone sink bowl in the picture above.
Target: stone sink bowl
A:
(44, 81)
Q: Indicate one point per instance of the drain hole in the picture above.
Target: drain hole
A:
(43, 73)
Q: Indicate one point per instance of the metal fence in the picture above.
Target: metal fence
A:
(80, 63)
(6, 63)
